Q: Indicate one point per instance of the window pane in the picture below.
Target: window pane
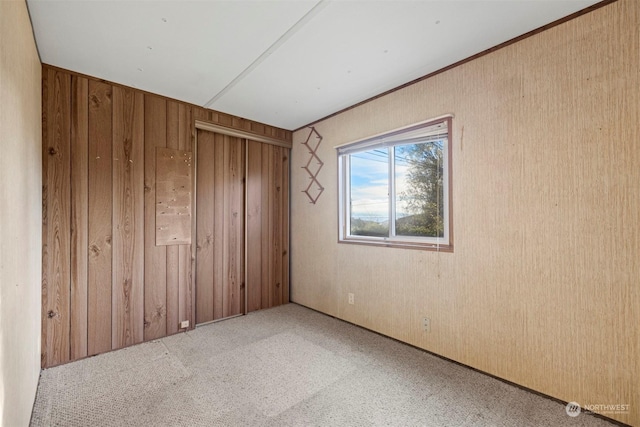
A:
(419, 189)
(369, 178)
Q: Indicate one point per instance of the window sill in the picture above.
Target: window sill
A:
(399, 244)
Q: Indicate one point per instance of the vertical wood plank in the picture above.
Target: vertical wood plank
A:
(196, 114)
(254, 227)
(205, 189)
(173, 269)
(46, 107)
(226, 284)
(285, 225)
(234, 227)
(265, 238)
(100, 219)
(184, 251)
(242, 188)
(199, 114)
(221, 288)
(155, 257)
(128, 218)
(56, 224)
(220, 159)
(276, 221)
(79, 214)
(223, 118)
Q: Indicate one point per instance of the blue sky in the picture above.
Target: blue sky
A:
(370, 186)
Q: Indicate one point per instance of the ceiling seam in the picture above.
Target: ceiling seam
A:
(281, 40)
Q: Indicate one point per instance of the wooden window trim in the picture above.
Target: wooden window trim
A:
(343, 236)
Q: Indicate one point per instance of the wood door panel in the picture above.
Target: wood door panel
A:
(219, 226)
(205, 192)
(234, 227)
(254, 226)
(267, 226)
(276, 225)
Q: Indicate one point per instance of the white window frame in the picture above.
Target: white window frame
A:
(403, 136)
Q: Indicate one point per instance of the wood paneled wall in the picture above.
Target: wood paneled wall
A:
(105, 283)
(542, 288)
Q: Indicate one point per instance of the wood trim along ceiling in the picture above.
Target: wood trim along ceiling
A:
(465, 60)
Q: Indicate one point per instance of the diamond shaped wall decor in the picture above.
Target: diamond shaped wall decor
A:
(313, 166)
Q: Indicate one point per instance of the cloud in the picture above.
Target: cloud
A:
(370, 186)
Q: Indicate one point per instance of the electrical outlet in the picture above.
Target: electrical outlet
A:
(351, 299)
(184, 324)
(426, 324)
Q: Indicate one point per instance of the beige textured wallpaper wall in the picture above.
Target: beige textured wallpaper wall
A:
(20, 214)
(542, 287)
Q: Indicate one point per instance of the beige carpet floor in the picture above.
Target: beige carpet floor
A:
(287, 366)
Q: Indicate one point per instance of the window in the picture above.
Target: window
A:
(395, 188)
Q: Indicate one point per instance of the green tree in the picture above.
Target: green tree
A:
(425, 190)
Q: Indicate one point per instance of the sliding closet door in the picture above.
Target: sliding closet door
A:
(267, 226)
(220, 217)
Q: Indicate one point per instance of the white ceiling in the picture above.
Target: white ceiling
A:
(284, 63)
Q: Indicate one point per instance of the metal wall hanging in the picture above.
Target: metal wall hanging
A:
(313, 166)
